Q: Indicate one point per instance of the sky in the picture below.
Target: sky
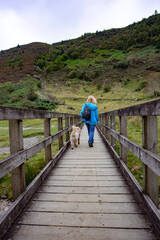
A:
(50, 21)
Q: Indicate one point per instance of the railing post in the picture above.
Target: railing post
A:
(113, 126)
(104, 122)
(123, 131)
(71, 122)
(16, 144)
(150, 142)
(67, 125)
(47, 133)
(60, 127)
(107, 124)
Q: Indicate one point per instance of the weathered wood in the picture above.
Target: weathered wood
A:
(107, 124)
(67, 125)
(10, 113)
(16, 144)
(149, 207)
(11, 162)
(60, 127)
(11, 214)
(150, 142)
(123, 131)
(63, 197)
(148, 158)
(47, 133)
(151, 108)
(113, 126)
(103, 206)
(90, 220)
(82, 207)
(47, 232)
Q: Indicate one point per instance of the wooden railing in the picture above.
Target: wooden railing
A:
(148, 153)
(15, 162)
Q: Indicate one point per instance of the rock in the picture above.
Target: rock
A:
(135, 168)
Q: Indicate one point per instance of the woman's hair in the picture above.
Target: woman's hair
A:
(91, 99)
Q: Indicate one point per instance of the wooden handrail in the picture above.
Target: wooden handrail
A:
(15, 162)
(148, 154)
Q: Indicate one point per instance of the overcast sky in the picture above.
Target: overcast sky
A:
(49, 21)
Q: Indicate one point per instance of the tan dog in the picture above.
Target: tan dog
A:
(75, 136)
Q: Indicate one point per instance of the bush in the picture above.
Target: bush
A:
(141, 86)
(107, 88)
(44, 104)
(121, 64)
(127, 80)
(31, 95)
(99, 86)
(72, 74)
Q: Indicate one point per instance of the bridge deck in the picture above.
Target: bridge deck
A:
(84, 197)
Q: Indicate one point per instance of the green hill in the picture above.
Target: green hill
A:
(119, 66)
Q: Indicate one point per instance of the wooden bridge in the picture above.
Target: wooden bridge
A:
(85, 193)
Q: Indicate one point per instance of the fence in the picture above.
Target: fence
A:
(148, 153)
(15, 162)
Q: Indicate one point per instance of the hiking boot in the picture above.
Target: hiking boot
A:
(91, 144)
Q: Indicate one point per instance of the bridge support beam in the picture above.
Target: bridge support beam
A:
(150, 142)
(16, 144)
(47, 133)
(123, 131)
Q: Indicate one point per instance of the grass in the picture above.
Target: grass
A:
(74, 97)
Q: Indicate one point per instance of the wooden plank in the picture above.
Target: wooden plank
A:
(151, 108)
(11, 214)
(47, 133)
(85, 178)
(82, 190)
(82, 207)
(56, 197)
(16, 144)
(25, 232)
(87, 183)
(130, 221)
(11, 113)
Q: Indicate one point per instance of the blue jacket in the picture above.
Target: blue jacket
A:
(94, 114)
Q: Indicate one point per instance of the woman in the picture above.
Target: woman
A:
(92, 122)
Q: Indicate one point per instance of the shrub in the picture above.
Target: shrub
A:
(107, 88)
(141, 86)
(127, 80)
(72, 74)
(96, 74)
(121, 64)
(31, 95)
(99, 86)
(44, 104)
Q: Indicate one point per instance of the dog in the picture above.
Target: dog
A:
(75, 136)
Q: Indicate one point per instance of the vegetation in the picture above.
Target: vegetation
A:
(120, 67)
(23, 94)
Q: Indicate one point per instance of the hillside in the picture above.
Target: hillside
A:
(119, 65)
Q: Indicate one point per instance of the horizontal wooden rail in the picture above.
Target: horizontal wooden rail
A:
(150, 159)
(9, 113)
(18, 155)
(15, 160)
(147, 154)
(145, 109)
